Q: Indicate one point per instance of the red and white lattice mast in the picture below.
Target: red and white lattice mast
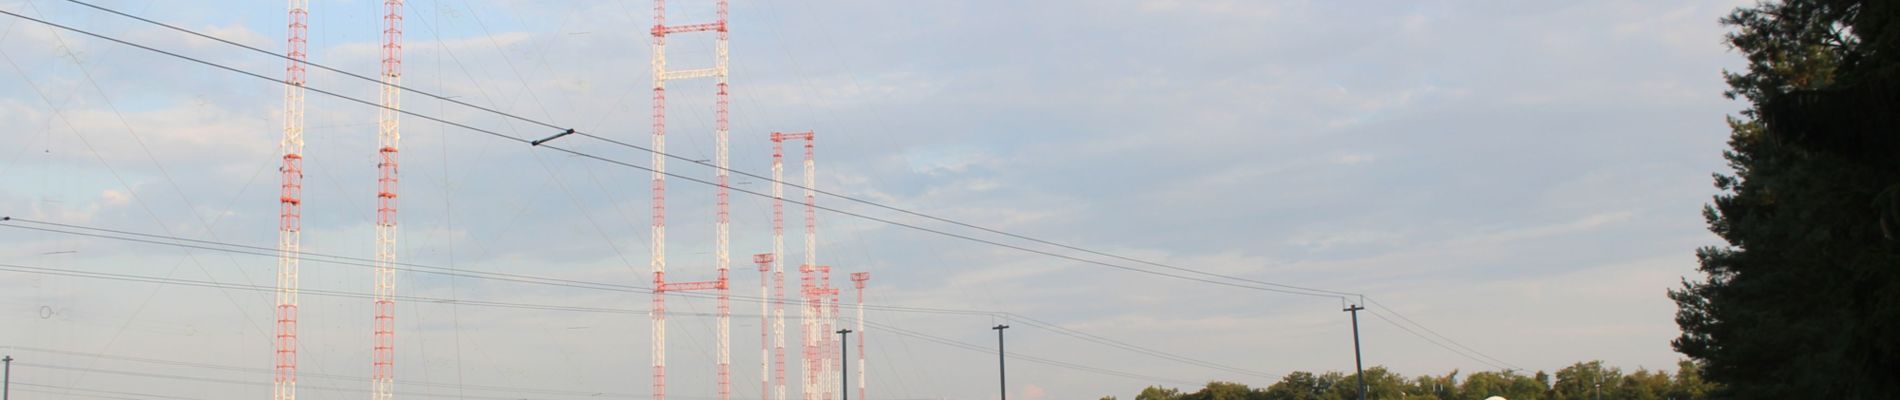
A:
(765, 262)
(778, 266)
(817, 331)
(807, 288)
(389, 136)
(290, 203)
(722, 223)
(828, 296)
(858, 279)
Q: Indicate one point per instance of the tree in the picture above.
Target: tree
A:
(1223, 391)
(1501, 383)
(1581, 381)
(1158, 393)
(1301, 385)
(1642, 385)
(1688, 383)
(1804, 299)
(1380, 383)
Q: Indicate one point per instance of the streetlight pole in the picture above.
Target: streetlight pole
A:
(1356, 360)
(845, 375)
(1002, 379)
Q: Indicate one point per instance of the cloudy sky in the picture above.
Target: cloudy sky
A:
(1524, 178)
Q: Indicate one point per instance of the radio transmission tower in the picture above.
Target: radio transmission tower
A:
(817, 357)
(721, 232)
(289, 203)
(858, 279)
(765, 262)
(389, 135)
(806, 288)
(833, 360)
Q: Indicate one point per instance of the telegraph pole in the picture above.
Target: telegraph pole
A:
(1356, 360)
(1002, 379)
(6, 383)
(845, 348)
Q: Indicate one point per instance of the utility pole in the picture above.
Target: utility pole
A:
(845, 349)
(1002, 379)
(1356, 360)
(6, 383)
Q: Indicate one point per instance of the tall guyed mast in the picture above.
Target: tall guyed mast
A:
(765, 261)
(817, 357)
(808, 323)
(778, 266)
(389, 135)
(815, 302)
(721, 240)
(835, 354)
(290, 203)
(828, 313)
(858, 279)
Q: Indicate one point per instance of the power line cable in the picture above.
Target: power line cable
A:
(1435, 342)
(1021, 356)
(1270, 286)
(209, 366)
(1044, 325)
(1395, 313)
(321, 258)
(1265, 286)
(461, 273)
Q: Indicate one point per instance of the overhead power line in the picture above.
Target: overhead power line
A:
(526, 279)
(337, 377)
(424, 268)
(1253, 284)
(1389, 310)
(1266, 286)
(886, 328)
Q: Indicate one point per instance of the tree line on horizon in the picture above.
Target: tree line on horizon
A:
(1580, 381)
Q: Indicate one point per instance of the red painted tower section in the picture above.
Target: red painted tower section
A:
(389, 136)
(765, 261)
(858, 279)
(721, 259)
(290, 203)
(809, 287)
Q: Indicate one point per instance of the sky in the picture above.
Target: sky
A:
(1517, 185)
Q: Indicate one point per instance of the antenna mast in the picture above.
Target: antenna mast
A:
(858, 279)
(721, 220)
(389, 136)
(289, 203)
(809, 291)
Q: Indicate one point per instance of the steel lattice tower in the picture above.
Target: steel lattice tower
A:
(721, 229)
(817, 357)
(290, 203)
(829, 309)
(858, 279)
(806, 287)
(389, 135)
(765, 262)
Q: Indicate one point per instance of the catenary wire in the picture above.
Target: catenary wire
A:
(1271, 286)
(320, 258)
(1265, 286)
